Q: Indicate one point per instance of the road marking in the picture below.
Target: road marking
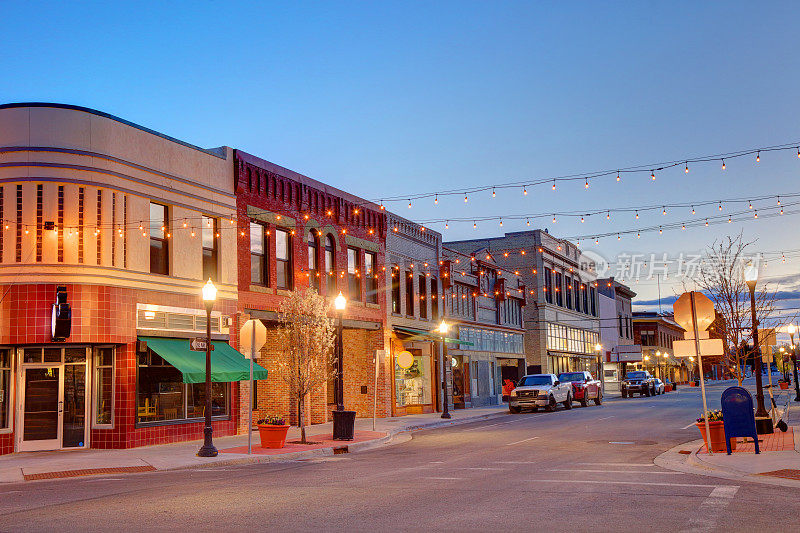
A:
(648, 483)
(619, 464)
(612, 471)
(481, 427)
(521, 441)
(103, 479)
(437, 462)
(706, 517)
(518, 462)
(620, 442)
(689, 426)
(479, 468)
(606, 417)
(446, 478)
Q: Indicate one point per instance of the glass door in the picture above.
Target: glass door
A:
(42, 409)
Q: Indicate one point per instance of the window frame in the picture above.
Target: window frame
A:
(371, 277)
(330, 270)
(287, 262)
(354, 274)
(163, 240)
(409, 281)
(434, 296)
(10, 392)
(423, 297)
(95, 382)
(397, 295)
(313, 245)
(264, 255)
(214, 250)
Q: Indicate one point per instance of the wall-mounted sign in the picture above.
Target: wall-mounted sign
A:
(405, 359)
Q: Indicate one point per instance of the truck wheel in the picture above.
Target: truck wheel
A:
(624, 394)
(568, 403)
(646, 393)
(585, 401)
(514, 410)
(599, 399)
(551, 405)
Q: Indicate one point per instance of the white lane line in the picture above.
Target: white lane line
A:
(103, 479)
(436, 462)
(648, 483)
(518, 462)
(606, 417)
(446, 478)
(521, 441)
(706, 517)
(613, 471)
(479, 468)
(689, 426)
(618, 464)
(481, 427)
(620, 442)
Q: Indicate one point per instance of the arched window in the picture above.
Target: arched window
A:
(313, 259)
(330, 267)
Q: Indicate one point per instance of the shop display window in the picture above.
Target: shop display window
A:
(413, 384)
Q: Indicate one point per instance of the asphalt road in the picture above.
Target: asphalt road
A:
(587, 469)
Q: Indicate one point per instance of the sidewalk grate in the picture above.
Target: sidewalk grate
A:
(89, 472)
(786, 473)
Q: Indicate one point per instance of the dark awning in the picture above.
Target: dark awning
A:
(432, 335)
(226, 363)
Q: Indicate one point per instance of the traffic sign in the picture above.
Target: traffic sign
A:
(704, 308)
(252, 337)
(198, 344)
(687, 348)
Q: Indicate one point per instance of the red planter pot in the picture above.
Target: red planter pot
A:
(717, 430)
(273, 436)
(784, 385)
(667, 388)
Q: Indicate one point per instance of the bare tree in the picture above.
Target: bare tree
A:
(721, 278)
(306, 337)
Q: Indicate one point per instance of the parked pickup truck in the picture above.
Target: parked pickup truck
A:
(540, 390)
(584, 387)
(638, 381)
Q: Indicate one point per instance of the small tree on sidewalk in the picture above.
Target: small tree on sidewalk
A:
(306, 337)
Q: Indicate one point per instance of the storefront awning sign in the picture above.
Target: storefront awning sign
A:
(226, 363)
(405, 359)
(431, 335)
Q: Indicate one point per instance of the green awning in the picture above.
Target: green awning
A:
(226, 363)
(430, 335)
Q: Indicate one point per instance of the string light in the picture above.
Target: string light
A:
(706, 222)
(436, 200)
(779, 200)
(501, 222)
(554, 184)
(524, 191)
(608, 215)
(527, 222)
(652, 175)
(554, 218)
(586, 184)
(409, 206)
(446, 225)
(693, 210)
(637, 215)
(758, 156)
(474, 225)
(494, 194)
(720, 206)
(723, 164)
(465, 198)
(581, 220)
(664, 210)
(686, 170)
(755, 214)
(618, 179)
(660, 231)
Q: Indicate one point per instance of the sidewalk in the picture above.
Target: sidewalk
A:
(777, 464)
(233, 450)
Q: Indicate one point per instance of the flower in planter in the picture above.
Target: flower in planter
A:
(713, 416)
(272, 420)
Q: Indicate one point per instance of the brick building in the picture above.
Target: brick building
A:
(485, 303)
(616, 330)
(414, 309)
(561, 319)
(297, 233)
(125, 224)
(656, 332)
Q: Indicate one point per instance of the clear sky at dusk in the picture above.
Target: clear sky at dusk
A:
(397, 98)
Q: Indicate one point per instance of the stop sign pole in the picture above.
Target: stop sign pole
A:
(252, 336)
(700, 363)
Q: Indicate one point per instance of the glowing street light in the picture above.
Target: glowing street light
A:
(209, 297)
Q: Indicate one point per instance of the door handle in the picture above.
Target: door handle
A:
(60, 406)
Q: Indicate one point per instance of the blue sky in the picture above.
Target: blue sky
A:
(393, 98)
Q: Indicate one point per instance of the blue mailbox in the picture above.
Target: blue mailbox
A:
(738, 416)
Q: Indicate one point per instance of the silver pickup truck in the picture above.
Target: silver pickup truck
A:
(540, 390)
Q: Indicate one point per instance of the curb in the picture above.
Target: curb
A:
(672, 459)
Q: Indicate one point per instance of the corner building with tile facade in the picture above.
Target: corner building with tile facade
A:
(125, 224)
(298, 233)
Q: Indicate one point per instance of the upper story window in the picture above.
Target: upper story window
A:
(559, 295)
(548, 286)
(423, 297)
(283, 259)
(330, 266)
(258, 255)
(371, 273)
(434, 299)
(576, 293)
(395, 290)
(585, 297)
(209, 233)
(159, 243)
(353, 275)
(313, 260)
(409, 293)
(593, 300)
(568, 291)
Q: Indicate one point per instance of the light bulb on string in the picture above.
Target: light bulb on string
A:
(474, 225)
(723, 164)
(554, 218)
(660, 231)
(750, 205)
(409, 204)
(638, 235)
(637, 215)
(720, 206)
(781, 210)
(618, 236)
(446, 225)
(501, 222)
(653, 175)
(525, 191)
(465, 198)
(586, 184)
(527, 222)
(608, 215)
(729, 219)
(582, 220)
(693, 210)
(706, 222)
(686, 169)
(798, 151)
(618, 178)
(554, 184)
(683, 226)
(494, 194)
(597, 240)
(436, 200)
(663, 210)
(779, 200)
(755, 214)
(758, 156)
(185, 223)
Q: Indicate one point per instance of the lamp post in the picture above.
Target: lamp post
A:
(443, 329)
(691, 370)
(763, 420)
(209, 297)
(339, 303)
(599, 349)
(646, 359)
(792, 330)
(658, 363)
(665, 355)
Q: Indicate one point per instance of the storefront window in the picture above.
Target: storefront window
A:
(413, 384)
(5, 387)
(163, 396)
(104, 384)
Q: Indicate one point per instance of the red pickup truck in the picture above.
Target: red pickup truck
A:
(584, 387)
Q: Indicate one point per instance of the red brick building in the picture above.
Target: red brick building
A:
(296, 233)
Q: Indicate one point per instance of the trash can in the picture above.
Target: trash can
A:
(343, 425)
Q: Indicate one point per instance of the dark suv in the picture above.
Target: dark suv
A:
(639, 381)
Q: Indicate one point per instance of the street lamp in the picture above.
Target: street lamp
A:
(691, 371)
(665, 355)
(599, 349)
(763, 420)
(209, 297)
(792, 329)
(339, 303)
(658, 362)
(443, 328)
